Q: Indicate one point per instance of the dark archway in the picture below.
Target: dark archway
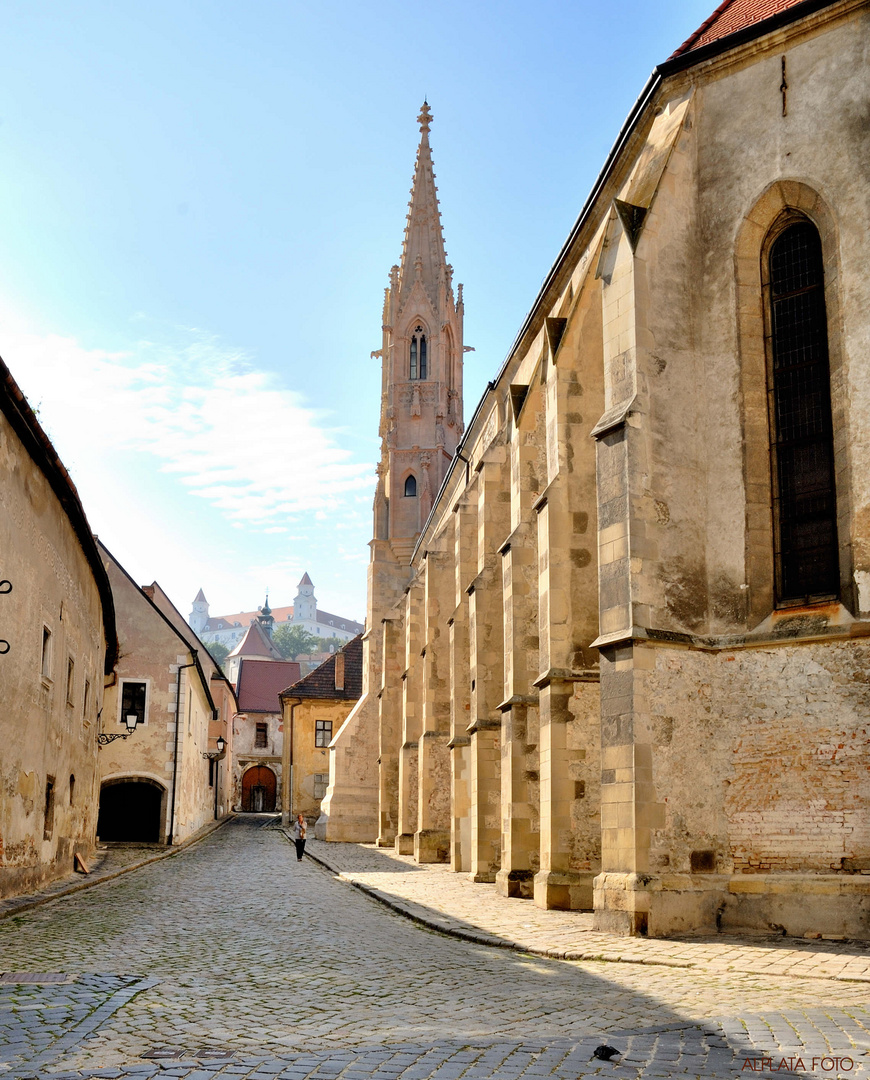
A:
(259, 785)
(130, 810)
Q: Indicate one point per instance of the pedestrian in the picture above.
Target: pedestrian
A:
(299, 830)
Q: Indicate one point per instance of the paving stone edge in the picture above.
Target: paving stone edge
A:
(414, 913)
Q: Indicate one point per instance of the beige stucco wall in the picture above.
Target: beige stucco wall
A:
(154, 653)
(309, 760)
(43, 732)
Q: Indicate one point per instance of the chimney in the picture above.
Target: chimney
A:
(339, 671)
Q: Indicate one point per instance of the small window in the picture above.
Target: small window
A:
(70, 679)
(419, 364)
(72, 789)
(261, 738)
(86, 699)
(411, 487)
(323, 733)
(321, 782)
(48, 822)
(133, 699)
(46, 652)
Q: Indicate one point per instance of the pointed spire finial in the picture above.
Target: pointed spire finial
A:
(424, 119)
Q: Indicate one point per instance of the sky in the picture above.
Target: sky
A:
(200, 203)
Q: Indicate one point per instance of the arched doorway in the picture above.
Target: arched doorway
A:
(258, 790)
(130, 810)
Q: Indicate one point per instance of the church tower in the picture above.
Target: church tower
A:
(421, 363)
(420, 428)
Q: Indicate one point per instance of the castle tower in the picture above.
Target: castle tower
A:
(305, 604)
(421, 361)
(420, 428)
(199, 616)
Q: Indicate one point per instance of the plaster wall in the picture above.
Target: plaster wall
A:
(47, 728)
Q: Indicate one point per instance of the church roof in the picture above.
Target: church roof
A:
(320, 683)
(423, 246)
(731, 17)
(261, 681)
(200, 598)
(306, 580)
(256, 643)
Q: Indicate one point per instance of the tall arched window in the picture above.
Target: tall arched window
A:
(418, 354)
(801, 429)
(411, 487)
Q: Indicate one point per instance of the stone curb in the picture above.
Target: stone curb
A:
(482, 937)
(415, 913)
(34, 900)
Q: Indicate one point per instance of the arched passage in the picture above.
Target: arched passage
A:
(131, 810)
(258, 790)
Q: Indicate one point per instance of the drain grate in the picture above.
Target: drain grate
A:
(164, 1053)
(210, 1053)
(33, 977)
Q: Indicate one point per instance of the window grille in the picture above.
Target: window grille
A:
(261, 739)
(802, 445)
(323, 732)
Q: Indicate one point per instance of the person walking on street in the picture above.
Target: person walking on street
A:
(299, 830)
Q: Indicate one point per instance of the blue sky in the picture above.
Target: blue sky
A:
(199, 206)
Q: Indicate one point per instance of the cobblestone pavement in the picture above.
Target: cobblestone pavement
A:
(234, 960)
(454, 904)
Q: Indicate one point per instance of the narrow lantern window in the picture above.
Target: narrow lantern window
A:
(802, 444)
(419, 367)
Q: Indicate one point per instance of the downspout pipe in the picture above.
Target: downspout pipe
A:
(181, 667)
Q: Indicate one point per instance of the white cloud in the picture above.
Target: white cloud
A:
(231, 435)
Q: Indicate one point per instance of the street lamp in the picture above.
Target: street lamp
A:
(221, 746)
(131, 720)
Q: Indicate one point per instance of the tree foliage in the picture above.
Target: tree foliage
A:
(290, 641)
(218, 652)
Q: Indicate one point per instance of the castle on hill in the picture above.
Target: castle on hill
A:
(230, 629)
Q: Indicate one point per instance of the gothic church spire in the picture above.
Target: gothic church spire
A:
(423, 254)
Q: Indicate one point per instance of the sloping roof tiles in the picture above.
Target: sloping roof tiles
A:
(261, 681)
(321, 682)
(731, 16)
(256, 643)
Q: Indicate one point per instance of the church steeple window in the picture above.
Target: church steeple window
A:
(419, 364)
(411, 487)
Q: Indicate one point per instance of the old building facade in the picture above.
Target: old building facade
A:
(57, 645)
(259, 734)
(626, 666)
(314, 708)
(168, 778)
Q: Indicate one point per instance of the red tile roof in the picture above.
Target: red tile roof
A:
(245, 618)
(261, 681)
(321, 682)
(256, 642)
(731, 16)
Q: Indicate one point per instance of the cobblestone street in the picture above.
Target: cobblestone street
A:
(232, 959)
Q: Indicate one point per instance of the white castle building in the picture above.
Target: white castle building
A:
(230, 629)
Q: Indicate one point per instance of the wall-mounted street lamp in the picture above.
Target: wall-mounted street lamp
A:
(221, 746)
(131, 720)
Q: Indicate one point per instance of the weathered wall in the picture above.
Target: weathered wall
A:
(153, 652)
(247, 754)
(47, 728)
